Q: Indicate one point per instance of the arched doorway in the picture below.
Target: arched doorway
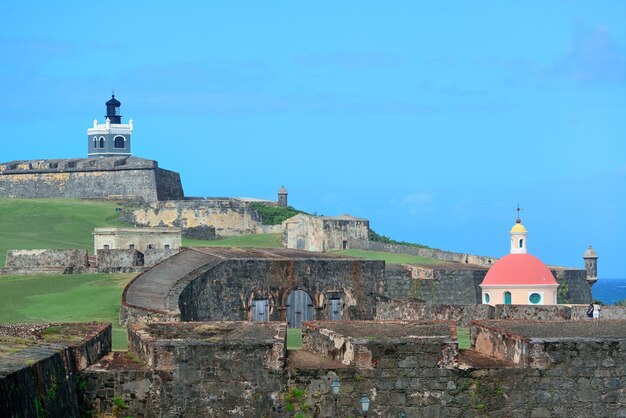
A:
(507, 298)
(299, 308)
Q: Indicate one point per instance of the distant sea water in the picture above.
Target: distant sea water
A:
(609, 291)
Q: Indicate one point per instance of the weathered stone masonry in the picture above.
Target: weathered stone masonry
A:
(119, 178)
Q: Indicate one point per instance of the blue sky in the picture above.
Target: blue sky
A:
(431, 119)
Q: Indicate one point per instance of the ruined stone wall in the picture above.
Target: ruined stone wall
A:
(41, 380)
(463, 314)
(338, 232)
(227, 216)
(41, 258)
(606, 312)
(154, 256)
(226, 291)
(587, 379)
(40, 387)
(119, 258)
(320, 233)
(415, 311)
(202, 375)
(533, 312)
(424, 252)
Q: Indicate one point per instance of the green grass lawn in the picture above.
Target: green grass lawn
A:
(52, 223)
(256, 240)
(294, 338)
(390, 258)
(463, 337)
(68, 297)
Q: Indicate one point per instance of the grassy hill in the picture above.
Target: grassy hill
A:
(64, 298)
(390, 258)
(52, 223)
(67, 223)
(257, 240)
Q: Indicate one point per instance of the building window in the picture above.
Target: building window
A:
(95, 142)
(521, 242)
(167, 246)
(119, 141)
(150, 246)
(487, 298)
(534, 298)
(507, 298)
(101, 142)
(131, 247)
(106, 246)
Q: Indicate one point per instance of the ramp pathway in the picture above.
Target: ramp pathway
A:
(151, 289)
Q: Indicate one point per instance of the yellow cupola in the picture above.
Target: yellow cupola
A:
(518, 236)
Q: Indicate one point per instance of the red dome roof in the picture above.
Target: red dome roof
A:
(519, 269)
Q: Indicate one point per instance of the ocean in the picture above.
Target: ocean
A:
(609, 291)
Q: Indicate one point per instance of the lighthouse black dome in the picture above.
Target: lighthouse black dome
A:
(113, 110)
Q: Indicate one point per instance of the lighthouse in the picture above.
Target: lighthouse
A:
(112, 138)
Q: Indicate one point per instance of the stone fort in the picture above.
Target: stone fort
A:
(207, 326)
(109, 172)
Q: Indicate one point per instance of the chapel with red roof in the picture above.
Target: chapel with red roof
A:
(519, 278)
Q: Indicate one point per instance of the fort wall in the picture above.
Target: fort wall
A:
(441, 255)
(226, 291)
(45, 258)
(227, 216)
(40, 378)
(115, 178)
(416, 373)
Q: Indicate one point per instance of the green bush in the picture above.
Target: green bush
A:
(274, 215)
(374, 236)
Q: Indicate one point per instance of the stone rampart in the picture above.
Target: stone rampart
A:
(574, 287)
(579, 371)
(39, 366)
(198, 369)
(440, 285)
(415, 311)
(364, 345)
(606, 312)
(227, 216)
(226, 291)
(116, 178)
(42, 258)
(441, 255)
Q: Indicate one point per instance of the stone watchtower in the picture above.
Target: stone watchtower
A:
(282, 197)
(591, 265)
(111, 138)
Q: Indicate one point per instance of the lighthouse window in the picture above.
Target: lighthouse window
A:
(119, 142)
(101, 142)
(521, 242)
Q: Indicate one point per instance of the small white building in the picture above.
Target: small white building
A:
(323, 233)
(139, 239)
